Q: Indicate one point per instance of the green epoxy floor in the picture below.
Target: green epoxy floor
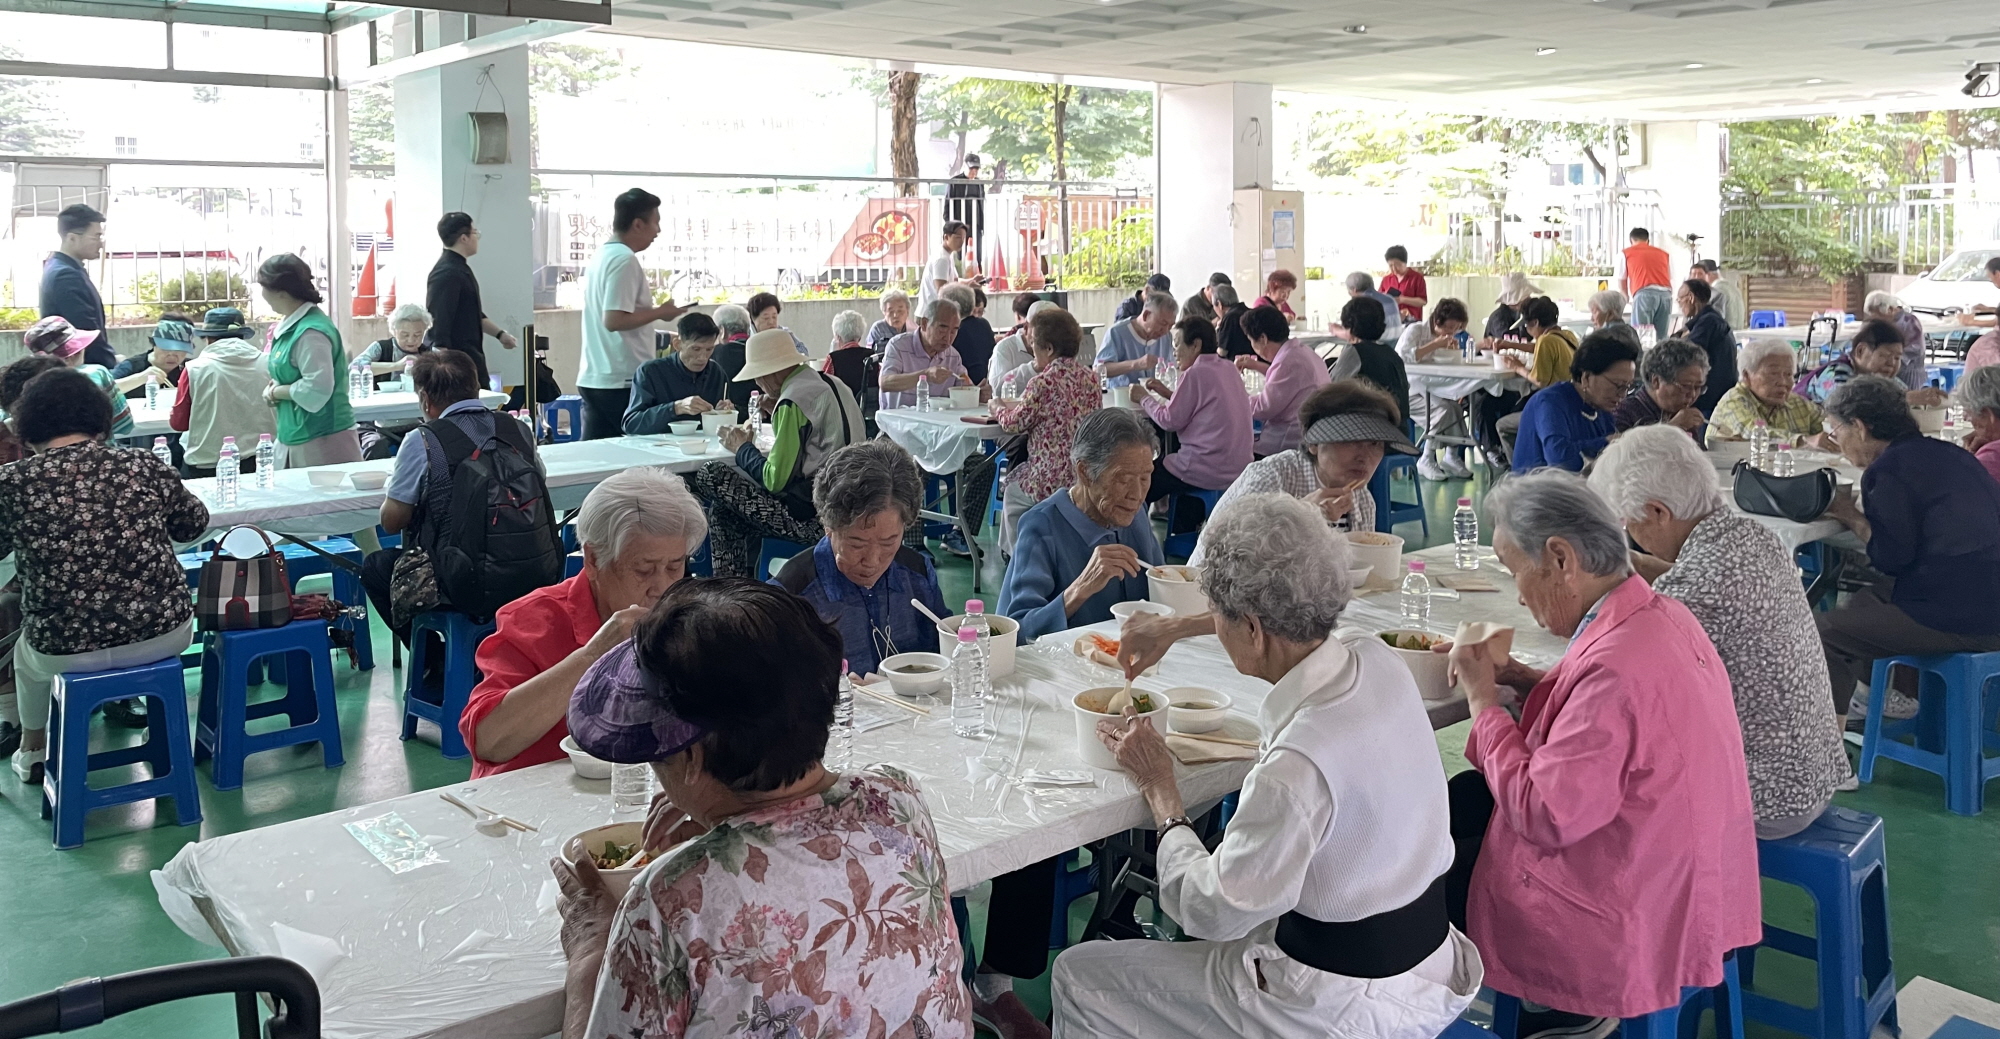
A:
(93, 911)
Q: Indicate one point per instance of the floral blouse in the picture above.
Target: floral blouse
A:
(1049, 412)
(822, 916)
(1739, 582)
(93, 530)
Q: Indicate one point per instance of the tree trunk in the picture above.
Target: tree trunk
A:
(1062, 95)
(903, 130)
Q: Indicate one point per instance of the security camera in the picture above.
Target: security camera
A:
(1982, 80)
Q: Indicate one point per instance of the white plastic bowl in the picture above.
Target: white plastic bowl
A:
(586, 766)
(1431, 670)
(1929, 420)
(615, 880)
(370, 481)
(715, 420)
(326, 479)
(999, 648)
(1178, 587)
(964, 398)
(692, 445)
(1125, 610)
(1381, 553)
(1088, 746)
(1358, 576)
(686, 428)
(923, 684)
(1196, 719)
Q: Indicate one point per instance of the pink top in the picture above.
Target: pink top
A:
(1266, 301)
(1985, 350)
(1621, 862)
(1294, 374)
(1989, 456)
(1211, 413)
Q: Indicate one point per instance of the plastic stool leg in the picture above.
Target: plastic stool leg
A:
(72, 775)
(1871, 738)
(413, 678)
(327, 722)
(1506, 1015)
(231, 716)
(458, 684)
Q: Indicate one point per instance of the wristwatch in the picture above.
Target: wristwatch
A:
(1169, 823)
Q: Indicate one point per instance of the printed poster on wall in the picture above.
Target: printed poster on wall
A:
(1284, 230)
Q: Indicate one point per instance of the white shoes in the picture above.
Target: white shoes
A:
(1454, 463)
(28, 765)
(1428, 469)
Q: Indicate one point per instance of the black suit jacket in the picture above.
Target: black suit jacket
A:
(457, 322)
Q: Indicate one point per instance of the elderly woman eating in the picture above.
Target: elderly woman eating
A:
(1616, 852)
(1676, 373)
(1738, 580)
(1764, 394)
(1057, 397)
(1979, 394)
(1209, 410)
(1323, 909)
(409, 325)
(759, 853)
(1886, 306)
(860, 577)
(1567, 424)
(1293, 372)
(1877, 349)
(1930, 514)
(1087, 547)
(638, 529)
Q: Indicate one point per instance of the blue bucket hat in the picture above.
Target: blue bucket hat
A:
(619, 714)
(173, 334)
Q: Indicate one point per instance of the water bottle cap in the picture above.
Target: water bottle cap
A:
(231, 441)
(1784, 447)
(263, 438)
(975, 606)
(1463, 502)
(159, 441)
(1417, 567)
(967, 634)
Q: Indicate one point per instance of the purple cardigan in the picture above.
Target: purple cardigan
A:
(1295, 373)
(1211, 413)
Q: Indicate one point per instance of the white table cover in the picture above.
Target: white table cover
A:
(467, 947)
(1726, 453)
(1459, 381)
(382, 406)
(939, 440)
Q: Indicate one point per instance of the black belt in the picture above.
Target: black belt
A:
(1380, 946)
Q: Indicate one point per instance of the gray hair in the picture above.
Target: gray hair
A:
(1225, 296)
(410, 314)
(1881, 302)
(1162, 303)
(1980, 390)
(848, 326)
(1656, 463)
(930, 312)
(862, 479)
(1272, 557)
(732, 319)
(1105, 432)
(961, 295)
(1610, 301)
(1880, 405)
(1757, 351)
(894, 296)
(1555, 503)
(1361, 281)
(1665, 362)
(647, 500)
(1042, 306)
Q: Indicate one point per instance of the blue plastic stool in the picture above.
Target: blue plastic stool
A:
(1767, 319)
(66, 792)
(301, 561)
(572, 565)
(1388, 511)
(461, 642)
(701, 564)
(1072, 882)
(940, 495)
(568, 403)
(1948, 374)
(1725, 999)
(1954, 725)
(1842, 862)
(1463, 1029)
(225, 711)
(1182, 544)
(775, 550)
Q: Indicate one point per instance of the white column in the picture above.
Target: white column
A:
(435, 175)
(1212, 140)
(1683, 162)
(340, 242)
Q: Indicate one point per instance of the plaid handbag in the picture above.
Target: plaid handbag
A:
(237, 594)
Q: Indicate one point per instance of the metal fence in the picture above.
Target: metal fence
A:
(724, 237)
(1580, 235)
(1909, 229)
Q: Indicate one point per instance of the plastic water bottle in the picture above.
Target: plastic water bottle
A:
(975, 618)
(631, 787)
(226, 473)
(267, 461)
(162, 452)
(1760, 445)
(842, 758)
(1417, 597)
(1783, 466)
(1465, 536)
(152, 393)
(923, 393)
(756, 419)
(968, 686)
(354, 384)
(409, 375)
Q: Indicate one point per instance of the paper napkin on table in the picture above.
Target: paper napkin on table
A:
(1499, 636)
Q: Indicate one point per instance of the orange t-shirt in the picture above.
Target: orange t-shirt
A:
(1646, 265)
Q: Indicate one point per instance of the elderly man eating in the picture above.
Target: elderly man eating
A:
(1607, 314)
(923, 359)
(1323, 909)
(1136, 346)
(1675, 374)
(1087, 546)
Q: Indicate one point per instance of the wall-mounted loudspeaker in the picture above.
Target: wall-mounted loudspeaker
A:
(489, 138)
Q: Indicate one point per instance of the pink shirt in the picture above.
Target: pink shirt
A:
(1621, 862)
(1211, 413)
(1989, 456)
(1294, 374)
(1985, 351)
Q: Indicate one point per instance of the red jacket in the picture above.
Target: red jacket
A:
(530, 635)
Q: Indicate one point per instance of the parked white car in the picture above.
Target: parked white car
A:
(1958, 283)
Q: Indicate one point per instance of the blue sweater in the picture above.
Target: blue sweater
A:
(872, 622)
(665, 380)
(1558, 429)
(1934, 518)
(1052, 548)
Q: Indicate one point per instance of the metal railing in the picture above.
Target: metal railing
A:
(1579, 236)
(1909, 228)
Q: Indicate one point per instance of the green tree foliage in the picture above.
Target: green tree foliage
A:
(1100, 126)
(1439, 152)
(27, 126)
(571, 69)
(371, 125)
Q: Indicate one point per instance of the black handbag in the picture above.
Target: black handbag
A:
(1801, 499)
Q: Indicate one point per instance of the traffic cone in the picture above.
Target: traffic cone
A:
(996, 275)
(365, 303)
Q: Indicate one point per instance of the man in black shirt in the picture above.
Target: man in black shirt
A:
(66, 288)
(1229, 311)
(965, 201)
(1709, 330)
(452, 296)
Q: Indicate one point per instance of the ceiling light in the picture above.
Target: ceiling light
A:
(1543, 52)
(1814, 82)
(1357, 30)
(1693, 65)
(1982, 80)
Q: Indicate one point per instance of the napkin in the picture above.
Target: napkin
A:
(1467, 583)
(1499, 636)
(1202, 752)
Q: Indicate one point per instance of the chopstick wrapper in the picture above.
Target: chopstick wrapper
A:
(1499, 637)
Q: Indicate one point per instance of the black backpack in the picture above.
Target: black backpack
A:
(489, 526)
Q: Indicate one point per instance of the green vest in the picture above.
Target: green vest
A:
(296, 425)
